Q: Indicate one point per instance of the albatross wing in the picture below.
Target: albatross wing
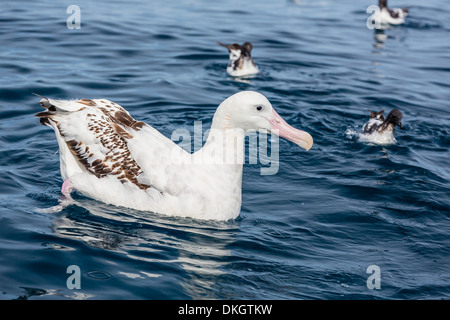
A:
(92, 138)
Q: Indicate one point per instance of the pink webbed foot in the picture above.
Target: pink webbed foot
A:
(67, 189)
(64, 201)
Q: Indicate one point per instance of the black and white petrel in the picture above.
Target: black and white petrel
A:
(391, 16)
(380, 130)
(241, 63)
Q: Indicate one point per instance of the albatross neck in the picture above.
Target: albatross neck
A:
(224, 146)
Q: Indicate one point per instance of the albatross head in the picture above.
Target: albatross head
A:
(251, 111)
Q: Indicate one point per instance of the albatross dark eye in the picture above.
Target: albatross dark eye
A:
(259, 108)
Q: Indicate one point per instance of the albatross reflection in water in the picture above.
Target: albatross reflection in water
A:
(158, 248)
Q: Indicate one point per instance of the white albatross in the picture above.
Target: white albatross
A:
(107, 155)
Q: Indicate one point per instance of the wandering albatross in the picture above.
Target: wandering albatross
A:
(109, 156)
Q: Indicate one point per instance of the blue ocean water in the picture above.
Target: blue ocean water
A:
(308, 232)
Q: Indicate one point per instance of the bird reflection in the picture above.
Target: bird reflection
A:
(152, 241)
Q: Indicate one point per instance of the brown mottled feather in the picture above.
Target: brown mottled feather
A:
(107, 122)
(121, 132)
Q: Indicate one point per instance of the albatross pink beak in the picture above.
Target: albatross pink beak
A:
(301, 138)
